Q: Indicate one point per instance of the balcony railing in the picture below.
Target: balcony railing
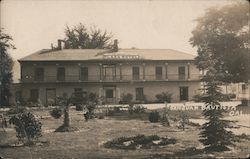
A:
(118, 78)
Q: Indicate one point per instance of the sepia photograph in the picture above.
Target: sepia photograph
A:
(123, 79)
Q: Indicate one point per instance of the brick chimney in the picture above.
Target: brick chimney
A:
(59, 46)
(115, 47)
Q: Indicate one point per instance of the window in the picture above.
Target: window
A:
(78, 93)
(84, 74)
(34, 95)
(50, 96)
(158, 73)
(109, 72)
(182, 73)
(139, 94)
(184, 93)
(136, 73)
(243, 87)
(39, 74)
(61, 74)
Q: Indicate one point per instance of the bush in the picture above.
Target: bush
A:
(28, 128)
(138, 109)
(163, 97)
(139, 141)
(126, 98)
(56, 113)
(154, 117)
(16, 110)
(79, 107)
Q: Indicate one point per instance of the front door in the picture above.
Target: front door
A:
(109, 95)
(183, 93)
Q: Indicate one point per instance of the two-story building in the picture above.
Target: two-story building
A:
(140, 72)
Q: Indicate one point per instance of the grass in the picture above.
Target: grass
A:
(88, 141)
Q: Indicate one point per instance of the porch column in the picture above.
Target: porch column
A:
(100, 66)
(120, 71)
(188, 67)
(143, 71)
(166, 71)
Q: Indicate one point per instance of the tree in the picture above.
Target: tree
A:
(64, 101)
(214, 135)
(222, 40)
(78, 37)
(6, 64)
(222, 34)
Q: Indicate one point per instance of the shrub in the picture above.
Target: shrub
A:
(139, 141)
(16, 110)
(56, 113)
(163, 97)
(138, 109)
(126, 98)
(164, 118)
(28, 128)
(154, 117)
(79, 107)
(184, 120)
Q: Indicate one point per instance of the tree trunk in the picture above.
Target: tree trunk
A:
(66, 116)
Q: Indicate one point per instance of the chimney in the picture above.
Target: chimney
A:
(59, 46)
(115, 47)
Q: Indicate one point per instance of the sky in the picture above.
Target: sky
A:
(143, 24)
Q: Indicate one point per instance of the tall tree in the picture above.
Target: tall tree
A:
(221, 36)
(225, 32)
(79, 37)
(6, 64)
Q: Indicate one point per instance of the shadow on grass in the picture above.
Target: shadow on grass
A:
(190, 152)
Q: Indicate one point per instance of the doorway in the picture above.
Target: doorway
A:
(183, 93)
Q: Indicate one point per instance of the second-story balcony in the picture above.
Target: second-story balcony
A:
(113, 78)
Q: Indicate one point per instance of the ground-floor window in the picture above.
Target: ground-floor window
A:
(50, 96)
(78, 93)
(139, 94)
(183, 93)
(34, 95)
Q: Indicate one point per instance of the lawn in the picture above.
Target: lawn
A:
(88, 141)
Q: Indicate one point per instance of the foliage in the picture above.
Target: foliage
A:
(164, 118)
(137, 109)
(222, 35)
(91, 106)
(154, 117)
(16, 110)
(214, 135)
(183, 120)
(28, 128)
(224, 97)
(163, 97)
(79, 107)
(126, 98)
(6, 64)
(139, 141)
(56, 113)
(79, 37)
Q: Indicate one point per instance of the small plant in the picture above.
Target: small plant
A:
(91, 106)
(79, 107)
(56, 113)
(137, 109)
(164, 118)
(184, 120)
(16, 110)
(28, 128)
(139, 141)
(164, 97)
(126, 98)
(154, 117)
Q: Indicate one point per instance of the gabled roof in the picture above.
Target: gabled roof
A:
(101, 54)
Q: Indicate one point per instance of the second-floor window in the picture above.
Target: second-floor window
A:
(181, 71)
(39, 74)
(61, 74)
(136, 73)
(158, 73)
(84, 74)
